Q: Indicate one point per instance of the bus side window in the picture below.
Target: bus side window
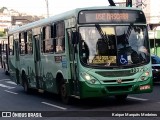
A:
(22, 44)
(11, 45)
(43, 40)
(25, 42)
(60, 37)
(29, 42)
(47, 39)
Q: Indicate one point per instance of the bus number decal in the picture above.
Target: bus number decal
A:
(135, 70)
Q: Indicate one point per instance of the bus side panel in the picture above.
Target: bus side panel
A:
(12, 68)
(48, 73)
(51, 64)
(27, 65)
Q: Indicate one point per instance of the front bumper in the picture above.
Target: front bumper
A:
(88, 90)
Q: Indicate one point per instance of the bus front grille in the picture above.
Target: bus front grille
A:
(115, 81)
(119, 88)
(115, 73)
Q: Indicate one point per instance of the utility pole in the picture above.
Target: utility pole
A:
(47, 8)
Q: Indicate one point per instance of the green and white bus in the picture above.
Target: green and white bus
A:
(83, 53)
(3, 53)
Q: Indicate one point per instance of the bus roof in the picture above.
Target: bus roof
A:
(62, 16)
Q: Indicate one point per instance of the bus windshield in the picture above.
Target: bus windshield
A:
(102, 45)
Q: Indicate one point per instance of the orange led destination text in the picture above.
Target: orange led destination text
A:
(112, 16)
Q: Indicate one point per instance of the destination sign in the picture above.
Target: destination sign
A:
(111, 16)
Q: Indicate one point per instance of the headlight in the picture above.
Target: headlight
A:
(90, 79)
(145, 76)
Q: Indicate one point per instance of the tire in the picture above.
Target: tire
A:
(6, 72)
(121, 98)
(5, 69)
(64, 93)
(25, 84)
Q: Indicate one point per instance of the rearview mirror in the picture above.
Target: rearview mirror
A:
(75, 37)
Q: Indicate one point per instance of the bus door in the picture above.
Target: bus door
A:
(73, 64)
(17, 61)
(37, 59)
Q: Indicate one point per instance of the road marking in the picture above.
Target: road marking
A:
(11, 82)
(54, 105)
(4, 79)
(135, 98)
(5, 86)
(10, 92)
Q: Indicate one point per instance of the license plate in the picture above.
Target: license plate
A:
(145, 87)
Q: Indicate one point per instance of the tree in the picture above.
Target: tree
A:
(2, 9)
(2, 34)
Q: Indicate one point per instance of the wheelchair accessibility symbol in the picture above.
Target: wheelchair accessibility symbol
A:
(123, 59)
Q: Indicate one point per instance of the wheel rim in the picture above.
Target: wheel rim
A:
(64, 94)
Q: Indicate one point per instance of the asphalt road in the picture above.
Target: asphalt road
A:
(15, 101)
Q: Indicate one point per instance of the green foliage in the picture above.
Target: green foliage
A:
(2, 34)
(2, 9)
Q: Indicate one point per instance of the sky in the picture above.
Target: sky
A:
(38, 7)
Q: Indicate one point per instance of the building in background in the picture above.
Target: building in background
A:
(5, 19)
(151, 8)
(152, 12)
(12, 18)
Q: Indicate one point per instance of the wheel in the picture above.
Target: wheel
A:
(25, 84)
(5, 69)
(6, 72)
(121, 98)
(64, 94)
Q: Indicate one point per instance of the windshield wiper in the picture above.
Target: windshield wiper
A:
(128, 33)
(102, 34)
